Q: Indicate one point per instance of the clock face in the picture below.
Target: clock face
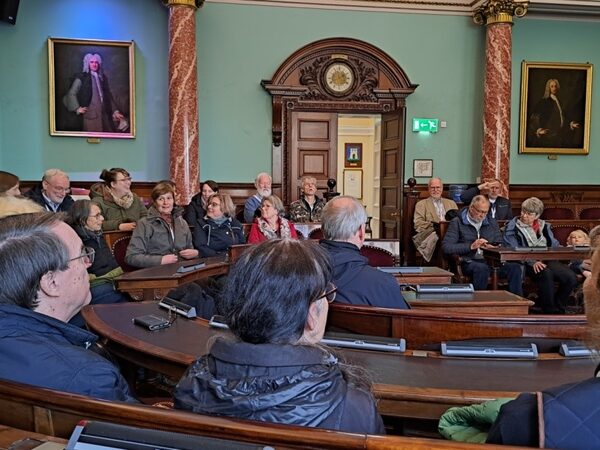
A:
(339, 78)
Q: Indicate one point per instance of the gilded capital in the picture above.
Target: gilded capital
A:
(193, 3)
(500, 11)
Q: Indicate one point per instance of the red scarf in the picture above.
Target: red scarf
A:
(536, 227)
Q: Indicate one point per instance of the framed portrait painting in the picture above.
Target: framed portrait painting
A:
(555, 110)
(91, 88)
(353, 154)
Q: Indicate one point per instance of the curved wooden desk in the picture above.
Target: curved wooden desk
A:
(421, 328)
(415, 385)
(166, 276)
(478, 302)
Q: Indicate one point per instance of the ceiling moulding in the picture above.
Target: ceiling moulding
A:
(557, 8)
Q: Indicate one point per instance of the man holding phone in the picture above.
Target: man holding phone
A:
(468, 234)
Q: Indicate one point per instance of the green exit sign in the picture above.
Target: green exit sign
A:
(428, 125)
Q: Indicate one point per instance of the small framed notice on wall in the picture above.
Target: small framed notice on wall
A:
(422, 168)
(353, 182)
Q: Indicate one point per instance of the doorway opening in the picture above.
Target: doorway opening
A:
(359, 163)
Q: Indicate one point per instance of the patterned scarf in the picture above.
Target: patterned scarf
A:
(270, 233)
(124, 202)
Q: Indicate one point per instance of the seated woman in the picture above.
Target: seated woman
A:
(569, 413)
(163, 237)
(218, 230)
(528, 230)
(196, 210)
(271, 224)
(309, 207)
(86, 219)
(120, 207)
(275, 302)
(9, 184)
(578, 238)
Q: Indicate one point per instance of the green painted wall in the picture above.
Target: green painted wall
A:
(239, 45)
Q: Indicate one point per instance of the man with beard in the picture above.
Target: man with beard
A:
(263, 189)
(468, 234)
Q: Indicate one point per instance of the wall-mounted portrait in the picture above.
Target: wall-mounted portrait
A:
(556, 103)
(91, 88)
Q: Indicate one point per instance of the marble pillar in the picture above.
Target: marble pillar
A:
(497, 16)
(183, 99)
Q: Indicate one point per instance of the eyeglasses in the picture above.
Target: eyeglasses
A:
(87, 253)
(479, 211)
(329, 294)
(66, 190)
(96, 216)
(528, 213)
(214, 204)
(124, 179)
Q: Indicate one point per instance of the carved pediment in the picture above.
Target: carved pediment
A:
(566, 196)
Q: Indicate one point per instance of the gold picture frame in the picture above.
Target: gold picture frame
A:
(555, 109)
(84, 105)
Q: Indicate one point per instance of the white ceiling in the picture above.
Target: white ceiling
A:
(589, 9)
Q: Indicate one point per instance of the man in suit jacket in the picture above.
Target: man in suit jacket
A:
(434, 208)
(500, 207)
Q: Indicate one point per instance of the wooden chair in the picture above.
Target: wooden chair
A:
(119, 250)
(558, 213)
(590, 214)
(316, 234)
(378, 257)
(561, 232)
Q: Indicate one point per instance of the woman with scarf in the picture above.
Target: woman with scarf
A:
(218, 229)
(120, 207)
(86, 219)
(271, 224)
(528, 230)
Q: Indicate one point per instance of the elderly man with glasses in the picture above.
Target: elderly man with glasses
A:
(468, 234)
(43, 274)
(53, 192)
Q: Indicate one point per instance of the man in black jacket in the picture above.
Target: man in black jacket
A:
(500, 207)
(344, 220)
(53, 192)
(468, 234)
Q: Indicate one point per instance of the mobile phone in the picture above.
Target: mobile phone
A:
(217, 321)
(190, 267)
(152, 322)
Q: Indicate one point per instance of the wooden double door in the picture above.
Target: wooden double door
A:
(313, 151)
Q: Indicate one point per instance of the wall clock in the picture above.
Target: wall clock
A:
(339, 78)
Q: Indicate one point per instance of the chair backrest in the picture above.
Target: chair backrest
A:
(558, 213)
(590, 213)
(562, 232)
(119, 250)
(235, 251)
(317, 233)
(378, 257)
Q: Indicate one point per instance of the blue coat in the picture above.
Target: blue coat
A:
(42, 351)
(461, 234)
(212, 239)
(357, 282)
(513, 237)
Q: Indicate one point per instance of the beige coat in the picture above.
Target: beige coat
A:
(426, 214)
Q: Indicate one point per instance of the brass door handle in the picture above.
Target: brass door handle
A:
(395, 214)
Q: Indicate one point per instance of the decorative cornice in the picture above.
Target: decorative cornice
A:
(500, 11)
(193, 3)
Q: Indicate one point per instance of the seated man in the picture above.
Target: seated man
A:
(564, 417)
(53, 192)
(432, 209)
(309, 207)
(44, 284)
(263, 189)
(275, 302)
(344, 220)
(471, 232)
(500, 207)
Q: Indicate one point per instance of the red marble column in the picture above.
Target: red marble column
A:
(497, 15)
(183, 99)
(495, 157)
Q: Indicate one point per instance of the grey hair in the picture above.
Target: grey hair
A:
(479, 199)
(259, 176)
(28, 250)
(87, 58)
(431, 180)
(306, 178)
(341, 222)
(533, 205)
(595, 236)
(50, 173)
(547, 89)
(275, 202)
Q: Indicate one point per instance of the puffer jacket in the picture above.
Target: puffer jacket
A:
(152, 239)
(211, 238)
(42, 351)
(290, 384)
(115, 215)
